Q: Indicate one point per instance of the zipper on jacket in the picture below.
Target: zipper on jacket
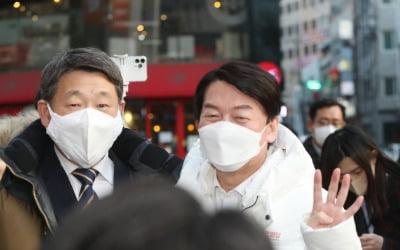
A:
(35, 197)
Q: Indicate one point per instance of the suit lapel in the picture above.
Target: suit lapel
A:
(57, 184)
(121, 170)
(59, 188)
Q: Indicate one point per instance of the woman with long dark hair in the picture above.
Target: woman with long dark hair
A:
(373, 175)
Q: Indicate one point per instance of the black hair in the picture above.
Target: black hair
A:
(325, 103)
(152, 213)
(248, 78)
(86, 59)
(230, 229)
(351, 141)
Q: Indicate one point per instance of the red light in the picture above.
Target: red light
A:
(273, 69)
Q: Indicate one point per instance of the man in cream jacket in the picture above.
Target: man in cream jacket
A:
(246, 160)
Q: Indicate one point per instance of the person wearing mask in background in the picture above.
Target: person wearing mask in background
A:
(325, 116)
(373, 175)
(246, 160)
(77, 152)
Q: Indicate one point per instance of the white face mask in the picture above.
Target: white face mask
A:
(228, 146)
(84, 136)
(321, 133)
(359, 185)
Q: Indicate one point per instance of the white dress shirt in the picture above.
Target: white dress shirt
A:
(103, 184)
(231, 199)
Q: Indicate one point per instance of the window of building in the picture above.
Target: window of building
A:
(390, 86)
(304, 3)
(289, 30)
(367, 89)
(386, 1)
(290, 53)
(296, 6)
(289, 8)
(323, 22)
(313, 24)
(306, 50)
(296, 29)
(314, 48)
(391, 132)
(388, 39)
(305, 26)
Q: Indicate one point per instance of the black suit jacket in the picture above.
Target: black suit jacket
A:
(36, 177)
(316, 158)
(58, 186)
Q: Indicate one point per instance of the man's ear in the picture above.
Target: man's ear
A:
(272, 130)
(196, 124)
(310, 126)
(43, 112)
(122, 106)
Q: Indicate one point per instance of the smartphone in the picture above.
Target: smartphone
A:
(133, 68)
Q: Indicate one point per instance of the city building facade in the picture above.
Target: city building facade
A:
(377, 61)
(348, 50)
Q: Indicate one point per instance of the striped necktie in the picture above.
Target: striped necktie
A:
(86, 176)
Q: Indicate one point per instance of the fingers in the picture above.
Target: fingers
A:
(317, 190)
(354, 207)
(344, 190)
(365, 237)
(333, 186)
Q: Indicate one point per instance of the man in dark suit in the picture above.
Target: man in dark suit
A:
(325, 116)
(76, 153)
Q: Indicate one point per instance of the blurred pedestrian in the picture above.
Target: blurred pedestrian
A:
(325, 116)
(153, 214)
(76, 153)
(246, 160)
(373, 175)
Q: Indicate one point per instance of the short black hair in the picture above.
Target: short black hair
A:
(248, 78)
(324, 103)
(86, 59)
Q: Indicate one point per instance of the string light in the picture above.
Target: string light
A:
(16, 4)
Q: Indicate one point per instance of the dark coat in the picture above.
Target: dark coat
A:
(316, 158)
(389, 225)
(37, 186)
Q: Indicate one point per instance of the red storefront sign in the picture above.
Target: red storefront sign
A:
(164, 81)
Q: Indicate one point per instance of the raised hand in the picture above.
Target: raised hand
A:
(331, 213)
